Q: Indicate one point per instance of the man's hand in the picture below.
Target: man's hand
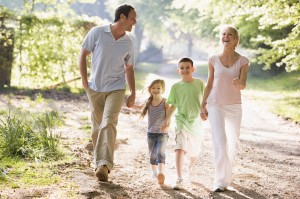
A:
(85, 84)
(130, 100)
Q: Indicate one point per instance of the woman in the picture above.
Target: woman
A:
(222, 104)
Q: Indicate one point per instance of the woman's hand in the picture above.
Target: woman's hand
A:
(204, 113)
(236, 82)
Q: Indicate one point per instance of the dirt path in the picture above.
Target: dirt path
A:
(268, 164)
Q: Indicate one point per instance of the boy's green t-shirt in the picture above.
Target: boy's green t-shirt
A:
(186, 97)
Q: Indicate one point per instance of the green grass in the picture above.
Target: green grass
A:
(281, 91)
(281, 82)
(17, 173)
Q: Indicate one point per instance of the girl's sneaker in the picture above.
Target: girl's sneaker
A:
(161, 178)
(154, 174)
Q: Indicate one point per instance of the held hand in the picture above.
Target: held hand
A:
(85, 84)
(165, 126)
(130, 100)
(204, 114)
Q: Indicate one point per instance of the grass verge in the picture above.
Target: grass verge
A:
(281, 92)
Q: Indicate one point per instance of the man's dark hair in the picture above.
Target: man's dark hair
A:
(186, 59)
(123, 9)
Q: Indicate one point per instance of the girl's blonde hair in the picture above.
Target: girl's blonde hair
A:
(157, 81)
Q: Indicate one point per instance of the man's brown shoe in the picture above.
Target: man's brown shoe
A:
(102, 173)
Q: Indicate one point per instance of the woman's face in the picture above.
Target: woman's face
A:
(228, 38)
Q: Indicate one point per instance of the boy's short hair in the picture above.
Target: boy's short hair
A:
(186, 59)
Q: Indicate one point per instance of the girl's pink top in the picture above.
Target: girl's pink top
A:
(223, 92)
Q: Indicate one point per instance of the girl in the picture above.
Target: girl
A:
(156, 107)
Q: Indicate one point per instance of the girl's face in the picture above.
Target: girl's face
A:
(228, 38)
(156, 89)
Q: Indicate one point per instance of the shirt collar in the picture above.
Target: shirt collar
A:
(107, 28)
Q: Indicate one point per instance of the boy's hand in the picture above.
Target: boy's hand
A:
(204, 114)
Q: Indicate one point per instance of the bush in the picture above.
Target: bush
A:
(30, 137)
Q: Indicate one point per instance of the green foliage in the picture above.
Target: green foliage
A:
(15, 136)
(30, 136)
(46, 50)
(46, 123)
(6, 13)
(39, 98)
(272, 28)
(47, 41)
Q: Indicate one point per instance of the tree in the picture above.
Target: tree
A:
(6, 45)
(270, 27)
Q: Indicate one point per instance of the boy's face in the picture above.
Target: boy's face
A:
(185, 69)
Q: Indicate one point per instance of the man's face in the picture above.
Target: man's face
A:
(130, 21)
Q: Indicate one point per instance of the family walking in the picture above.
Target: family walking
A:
(112, 65)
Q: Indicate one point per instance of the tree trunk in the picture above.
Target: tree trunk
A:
(190, 45)
(139, 32)
(6, 55)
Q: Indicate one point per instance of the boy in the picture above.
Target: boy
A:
(185, 95)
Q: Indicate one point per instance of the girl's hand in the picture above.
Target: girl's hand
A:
(165, 126)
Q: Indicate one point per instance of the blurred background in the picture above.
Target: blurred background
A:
(40, 41)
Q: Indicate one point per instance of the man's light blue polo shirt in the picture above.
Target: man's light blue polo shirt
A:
(108, 59)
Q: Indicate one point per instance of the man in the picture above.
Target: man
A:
(112, 64)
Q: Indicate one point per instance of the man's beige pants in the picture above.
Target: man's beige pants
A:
(105, 108)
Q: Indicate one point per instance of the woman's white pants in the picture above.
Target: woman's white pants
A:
(225, 122)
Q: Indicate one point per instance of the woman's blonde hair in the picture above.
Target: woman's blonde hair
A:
(234, 32)
(157, 81)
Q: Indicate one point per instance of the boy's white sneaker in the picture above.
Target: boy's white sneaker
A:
(178, 184)
(192, 171)
(220, 189)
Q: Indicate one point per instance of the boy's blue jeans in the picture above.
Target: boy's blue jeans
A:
(157, 143)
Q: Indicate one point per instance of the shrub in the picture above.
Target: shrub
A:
(30, 136)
